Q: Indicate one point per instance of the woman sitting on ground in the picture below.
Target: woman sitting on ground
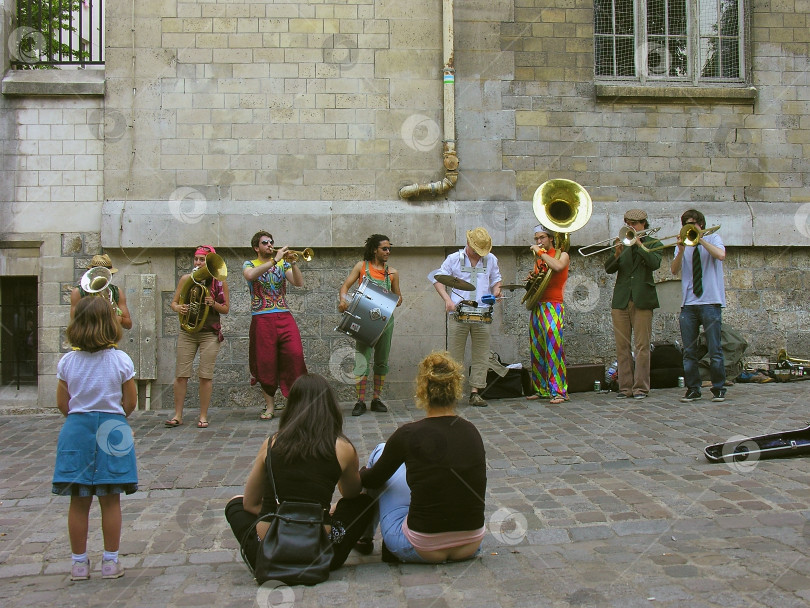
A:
(430, 476)
(310, 456)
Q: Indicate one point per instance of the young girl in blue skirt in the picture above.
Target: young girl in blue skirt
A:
(95, 455)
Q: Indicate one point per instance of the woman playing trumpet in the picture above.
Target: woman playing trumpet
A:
(207, 340)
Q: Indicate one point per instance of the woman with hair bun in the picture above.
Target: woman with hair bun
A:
(430, 476)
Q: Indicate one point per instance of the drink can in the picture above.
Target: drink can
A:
(681, 382)
(597, 386)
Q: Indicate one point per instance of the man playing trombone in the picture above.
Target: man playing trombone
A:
(704, 297)
(634, 299)
(275, 353)
(115, 295)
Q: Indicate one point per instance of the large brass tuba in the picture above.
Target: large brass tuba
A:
(195, 292)
(96, 280)
(562, 206)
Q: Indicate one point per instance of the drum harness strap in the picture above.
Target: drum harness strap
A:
(474, 272)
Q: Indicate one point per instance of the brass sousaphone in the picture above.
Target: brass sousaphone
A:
(195, 292)
(562, 206)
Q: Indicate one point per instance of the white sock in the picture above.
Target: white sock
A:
(110, 555)
(79, 558)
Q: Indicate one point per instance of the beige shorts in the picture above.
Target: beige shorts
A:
(187, 345)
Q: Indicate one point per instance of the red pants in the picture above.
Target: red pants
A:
(275, 355)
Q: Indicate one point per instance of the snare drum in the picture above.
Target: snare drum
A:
(467, 312)
(369, 313)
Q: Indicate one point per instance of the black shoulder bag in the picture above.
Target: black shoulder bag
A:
(296, 549)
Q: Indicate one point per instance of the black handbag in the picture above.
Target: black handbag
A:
(296, 549)
(515, 383)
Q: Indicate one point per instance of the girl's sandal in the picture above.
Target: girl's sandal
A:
(174, 422)
(267, 415)
(557, 400)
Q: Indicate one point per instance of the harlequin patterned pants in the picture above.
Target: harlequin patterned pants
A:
(548, 357)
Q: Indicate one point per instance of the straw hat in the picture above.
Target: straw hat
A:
(102, 260)
(480, 241)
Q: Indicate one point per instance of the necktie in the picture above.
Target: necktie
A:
(697, 273)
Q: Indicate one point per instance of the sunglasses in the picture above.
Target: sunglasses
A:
(265, 242)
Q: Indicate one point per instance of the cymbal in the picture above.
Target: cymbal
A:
(455, 282)
(513, 286)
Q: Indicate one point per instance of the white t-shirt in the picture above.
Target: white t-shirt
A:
(94, 379)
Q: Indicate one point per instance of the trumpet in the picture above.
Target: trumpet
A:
(627, 237)
(689, 235)
(307, 255)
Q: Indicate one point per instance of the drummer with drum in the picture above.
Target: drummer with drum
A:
(473, 270)
(374, 270)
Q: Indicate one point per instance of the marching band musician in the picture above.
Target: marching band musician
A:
(474, 264)
(548, 371)
(374, 266)
(634, 299)
(704, 296)
(276, 354)
(207, 340)
(116, 295)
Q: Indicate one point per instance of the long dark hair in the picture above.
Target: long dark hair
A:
(311, 422)
(94, 326)
(372, 243)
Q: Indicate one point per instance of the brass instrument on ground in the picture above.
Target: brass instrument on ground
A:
(307, 255)
(562, 206)
(690, 235)
(195, 292)
(783, 357)
(627, 237)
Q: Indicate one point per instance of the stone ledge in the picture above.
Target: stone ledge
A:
(720, 93)
(35, 83)
(156, 224)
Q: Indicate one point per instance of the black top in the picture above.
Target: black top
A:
(445, 469)
(310, 481)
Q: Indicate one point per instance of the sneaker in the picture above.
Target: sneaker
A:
(622, 396)
(640, 396)
(80, 571)
(111, 569)
(359, 408)
(719, 395)
(378, 406)
(691, 395)
(477, 400)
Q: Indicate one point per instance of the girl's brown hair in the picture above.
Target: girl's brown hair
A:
(438, 381)
(94, 326)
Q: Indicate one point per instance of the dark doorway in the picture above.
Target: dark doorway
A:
(18, 330)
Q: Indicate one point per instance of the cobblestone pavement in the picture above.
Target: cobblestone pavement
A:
(598, 502)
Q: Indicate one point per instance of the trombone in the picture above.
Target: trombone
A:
(689, 235)
(627, 237)
(307, 255)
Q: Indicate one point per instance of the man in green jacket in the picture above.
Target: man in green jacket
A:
(634, 299)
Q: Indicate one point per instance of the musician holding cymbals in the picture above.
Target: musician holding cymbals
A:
(548, 371)
(276, 354)
(374, 267)
(634, 299)
(704, 296)
(476, 267)
(199, 313)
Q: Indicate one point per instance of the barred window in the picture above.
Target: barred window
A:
(683, 41)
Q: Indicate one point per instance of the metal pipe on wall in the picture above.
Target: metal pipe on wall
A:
(449, 154)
